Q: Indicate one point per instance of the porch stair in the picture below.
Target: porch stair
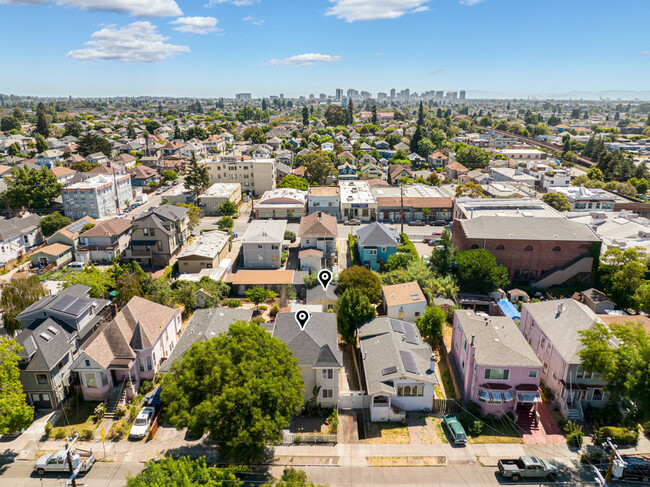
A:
(573, 414)
(115, 398)
(527, 418)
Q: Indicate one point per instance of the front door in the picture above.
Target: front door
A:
(41, 401)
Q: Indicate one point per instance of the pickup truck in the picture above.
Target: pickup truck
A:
(526, 467)
(57, 462)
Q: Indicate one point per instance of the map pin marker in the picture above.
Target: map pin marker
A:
(325, 277)
(302, 317)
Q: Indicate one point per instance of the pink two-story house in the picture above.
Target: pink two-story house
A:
(499, 370)
(127, 350)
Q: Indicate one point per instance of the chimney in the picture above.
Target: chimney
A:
(472, 344)
(560, 307)
(432, 363)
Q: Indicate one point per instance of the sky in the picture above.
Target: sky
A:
(214, 48)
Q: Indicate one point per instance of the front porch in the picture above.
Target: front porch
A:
(383, 409)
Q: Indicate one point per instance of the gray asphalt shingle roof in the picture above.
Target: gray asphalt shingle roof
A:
(11, 227)
(378, 235)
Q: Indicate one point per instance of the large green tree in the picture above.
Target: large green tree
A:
(471, 157)
(16, 296)
(557, 200)
(431, 323)
(228, 208)
(73, 128)
(53, 222)
(318, 165)
(622, 273)
(443, 256)
(291, 181)
(621, 354)
(41, 144)
(478, 271)
(197, 179)
(91, 143)
(42, 125)
(15, 414)
(354, 308)
(366, 281)
(9, 123)
(100, 282)
(184, 472)
(32, 188)
(335, 115)
(242, 387)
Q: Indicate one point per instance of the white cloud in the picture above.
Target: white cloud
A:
(135, 8)
(645, 53)
(470, 3)
(196, 25)
(238, 3)
(305, 60)
(253, 20)
(138, 42)
(353, 10)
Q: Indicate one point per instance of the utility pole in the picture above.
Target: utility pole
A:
(68, 454)
(615, 460)
(401, 205)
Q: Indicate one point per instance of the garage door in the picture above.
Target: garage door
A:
(41, 401)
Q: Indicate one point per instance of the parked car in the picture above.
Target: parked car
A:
(57, 462)
(352, 221)
(526, 467)
(456, 430)
(142, 423)
(416, 223)
(438, 223)
(76, 266)
(636, 468)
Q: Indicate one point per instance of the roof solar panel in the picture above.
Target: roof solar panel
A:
(389, 370)
(409, 362)
(397, 326)
(410, 335)
(63, 303)
(78, 225)
(77, 307)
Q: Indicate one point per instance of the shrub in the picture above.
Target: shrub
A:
(297, 440)
(259, 320)
(290, 236)
(121, 410)
(472, 426)
(87, 434)
(620, 436)
(133, 412)
(59, 433)
(352, 251)
(146, 386)
(610, 415)
(117, 431)
(233, 303)
(407, 246)
(100, 410)
(262, 307)
(575, 438)
(284, 257)
(275, 310)
(646, 429)
(333, 422)
(48, 430)
(474, 409)
(593, 456)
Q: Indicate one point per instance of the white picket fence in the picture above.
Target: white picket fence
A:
(309, 438)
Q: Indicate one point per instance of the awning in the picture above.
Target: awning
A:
(527, 397)
(573, 386)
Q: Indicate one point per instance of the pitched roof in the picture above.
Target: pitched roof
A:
(55, 249)
(317, 293)
(72, 230)
(142, 321)
(12, 227)
(316, 345)
(318, 224)
(457, 166)
(109, 228)
(378, 235)
(406, 293)
(261, 277)
(48, 340)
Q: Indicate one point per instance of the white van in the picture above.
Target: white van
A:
(76, 266)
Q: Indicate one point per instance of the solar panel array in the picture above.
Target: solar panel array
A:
(389, 370)
(78, 225)
(410, 336)
(409, 362)
(70, 305)
(63, 303)
(397, 326)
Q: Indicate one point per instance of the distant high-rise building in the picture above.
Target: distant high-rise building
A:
(452, 95)
(311, 96)
(381, 96)
(243, 97)
(440, 95)
(392, 94)
(281, 96)
(462, 94)
(339, 94)
(322, 97)
(365, 95)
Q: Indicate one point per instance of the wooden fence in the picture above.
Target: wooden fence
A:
(441, 407)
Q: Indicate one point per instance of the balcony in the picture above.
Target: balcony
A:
(139, 253)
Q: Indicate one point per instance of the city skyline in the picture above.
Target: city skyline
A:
(222, 47)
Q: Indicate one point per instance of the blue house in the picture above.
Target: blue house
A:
(376, 243)
(347, 172)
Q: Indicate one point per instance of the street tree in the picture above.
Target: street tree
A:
(16, 296)
(431, 323)
(53, 222)
(334, 115)
(227, 387)
(557, 200)
(469, 190)
(32, 188)
(366, 281)
(197, 179)
(354, 308)
(184, 472)
(478, 271)
(169, 175)
(225, 223)
(622, 273)
(15, 413)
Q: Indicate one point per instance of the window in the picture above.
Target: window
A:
(500, 247)
(597, 395)
(141, 362)
(410, 391)
(152, 232)
(542, 343)
(91, 380)
(274, 247)
(328, 373)
(87, 362)
(259, 246)
(328, 393)
(465, 344)
(41, 378)
(545, 369)
(145, 231)
(372, 251)
(462, 363)
(583, 374)
(532, 374)
(383, 249)
(497, 374)
(557, 249)
(528, 248)
(148, 362)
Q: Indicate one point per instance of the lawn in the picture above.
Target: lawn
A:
(75, 420)
(497, 431)
(387, 433)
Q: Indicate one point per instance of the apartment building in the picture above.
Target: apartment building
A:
(357, 201)
(98, 196)
(254, 175)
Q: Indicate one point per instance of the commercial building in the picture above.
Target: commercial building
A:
(98, 196)
(216, 195)
(586, 199)
(283, 203)
(357, 201)
(254, 175)
(325, 199)
(527, 207)
(418, 201)
(205, 252)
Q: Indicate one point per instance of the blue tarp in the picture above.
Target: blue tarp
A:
(509, 309)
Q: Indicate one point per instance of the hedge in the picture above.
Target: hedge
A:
(352, 250)
(407, 246)
(619, 436)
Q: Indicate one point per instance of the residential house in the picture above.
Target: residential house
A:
(128, 349)
(326, 298)
(172, 148)
(371, 171)
(104, 242)
(398, 171)
(498, 369)
(205, 324)
(55, 254)
(205, 252)
(316, 348)
(63, 174)
(275, 280)
(18, 236)
(158, 235)
(143, 175)
(318, 233)
(323, 199)
(97, 158)
(455, 170)
(597, 301)
(438, 159)
(126, 160)
(69, 235)
(282, 203)
(49, 158)
(398, 367)
(552, 329)
(376, 242)
(347, 172)
(52, 329)
(262, 244)
(404, 301)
